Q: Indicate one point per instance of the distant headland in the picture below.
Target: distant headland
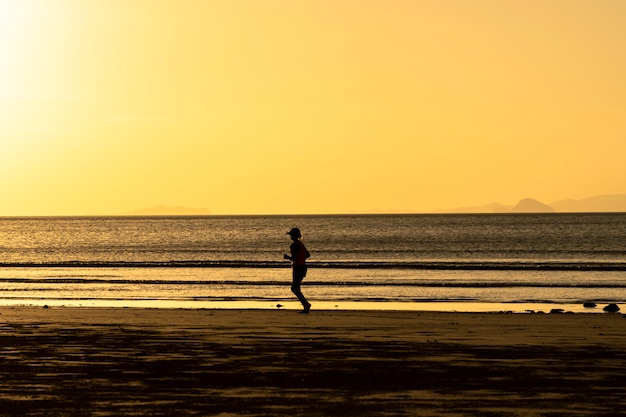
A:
(599, 204)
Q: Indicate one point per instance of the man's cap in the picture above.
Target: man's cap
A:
(295, 231)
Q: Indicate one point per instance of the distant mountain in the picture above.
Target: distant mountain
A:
(529, 205)
(600, 203)
(167, 211)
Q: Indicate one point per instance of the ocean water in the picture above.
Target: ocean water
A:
(502, 262)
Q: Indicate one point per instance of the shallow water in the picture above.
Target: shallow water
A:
(386, 262)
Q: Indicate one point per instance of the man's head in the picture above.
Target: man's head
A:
(295, 233)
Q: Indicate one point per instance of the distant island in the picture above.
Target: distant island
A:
(599, 204)
(168, 211)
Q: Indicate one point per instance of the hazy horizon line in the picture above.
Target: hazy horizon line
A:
(618, 202)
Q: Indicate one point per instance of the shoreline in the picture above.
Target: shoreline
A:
(115, 361)
(325, 306)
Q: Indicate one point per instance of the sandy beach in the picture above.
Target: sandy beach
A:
(112, 362)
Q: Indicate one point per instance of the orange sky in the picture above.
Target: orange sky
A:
(282, 106)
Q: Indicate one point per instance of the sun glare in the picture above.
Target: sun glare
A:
(24, 39)
(11, 23)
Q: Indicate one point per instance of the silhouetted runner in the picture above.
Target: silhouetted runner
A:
(298, 257)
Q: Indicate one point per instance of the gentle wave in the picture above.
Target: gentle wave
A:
(423, 265)
(270, 283)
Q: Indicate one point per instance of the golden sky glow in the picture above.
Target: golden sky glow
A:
(325, 106)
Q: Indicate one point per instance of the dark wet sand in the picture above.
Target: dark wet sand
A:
(120, 362)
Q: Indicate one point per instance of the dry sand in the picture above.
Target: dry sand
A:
(115, 362)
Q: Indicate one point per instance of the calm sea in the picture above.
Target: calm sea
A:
(511, 262)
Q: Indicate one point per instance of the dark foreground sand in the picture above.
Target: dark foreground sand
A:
(120, 362)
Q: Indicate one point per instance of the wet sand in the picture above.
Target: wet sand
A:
(112, 362)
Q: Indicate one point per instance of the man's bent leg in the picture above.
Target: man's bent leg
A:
(298, 276)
